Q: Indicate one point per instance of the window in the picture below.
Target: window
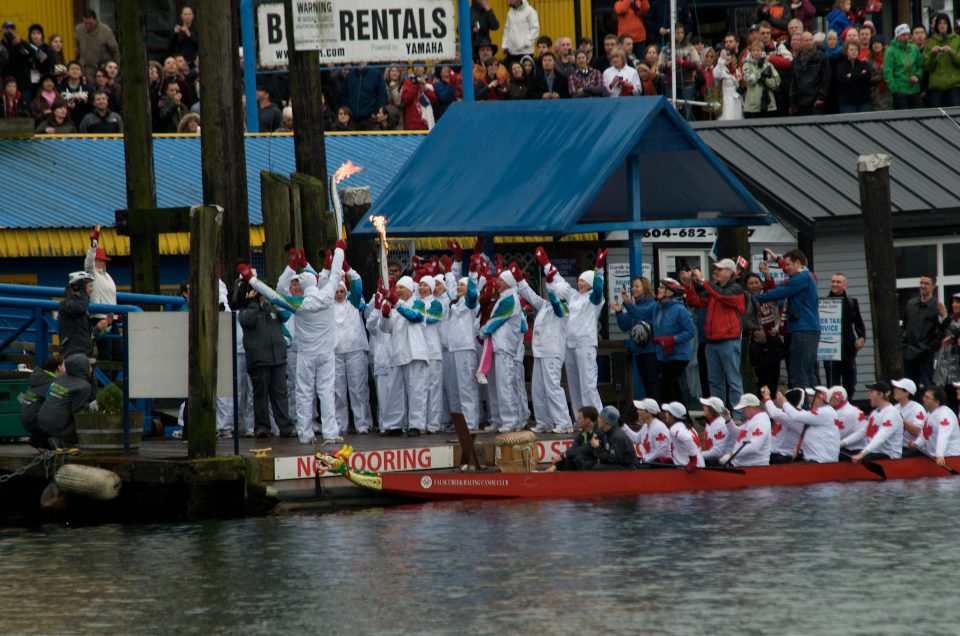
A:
(940, 257)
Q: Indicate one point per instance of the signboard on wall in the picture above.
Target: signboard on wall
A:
(831, 329)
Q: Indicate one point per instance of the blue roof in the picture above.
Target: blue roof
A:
(543, 167)
(79, 181)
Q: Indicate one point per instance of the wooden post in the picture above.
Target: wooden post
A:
(874, 176)
(319, 227)
(138, 143)
(205, 225)
(223, 158)
(275, 204)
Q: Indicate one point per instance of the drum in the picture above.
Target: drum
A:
(517, 452)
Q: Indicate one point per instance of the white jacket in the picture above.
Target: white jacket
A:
(104, 289)
(883, 432)
(433, 313)
(628, 73)
(522, 29)
(584, 311)
(785, 437)
(756, 433)
(912, 413)
(654, 440)
(550, 323)
(941, 435)
(316, 323)
(462, 318)
(717, 440)
(283, 288)
(379, 340)
(821, 441)
(505, 324)
(408, 339)
(351, 335)
(684, 445)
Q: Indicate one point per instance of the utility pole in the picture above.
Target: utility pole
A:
(138, 143)
(874, 174)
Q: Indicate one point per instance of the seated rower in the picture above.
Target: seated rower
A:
(940, 437)
(586, 427)
(785, 440)
(850, 419)
(819, 435)
(912, 413)
(684, 442)
(716, 438)
(653, 436)
(612, 449)
(753, 435)
(884, 429)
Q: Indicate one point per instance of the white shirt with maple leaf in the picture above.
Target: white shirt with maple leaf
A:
(850, 420)
(941, 434)
(756, 433)
(785, 438)
(912, 413)
(716, 440)
(884, 433)
(821, 441)
(684, 445)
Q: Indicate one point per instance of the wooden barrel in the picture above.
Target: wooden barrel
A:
(100, 434)
(517, 452)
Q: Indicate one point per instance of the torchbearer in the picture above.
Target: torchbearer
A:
(505, 330)
(290, 286)
(444, 295)
(406, 395)
(432, 313)
(379, 352)
(351, 355)
(460, 383)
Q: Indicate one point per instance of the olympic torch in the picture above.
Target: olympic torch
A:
(345, 171)
(380, 223)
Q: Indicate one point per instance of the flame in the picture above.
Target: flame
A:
(345, 171)
(380, 223)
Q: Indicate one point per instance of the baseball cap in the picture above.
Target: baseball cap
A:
(610, 415)
(906, 384)
(726, 263)
(838, 390)
(713, 402)
(821, 389)
(747, 399)
(881, 386)
(675, 409)
(647, 404)
(902, 29)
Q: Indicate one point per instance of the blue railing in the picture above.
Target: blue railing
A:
(167, 303)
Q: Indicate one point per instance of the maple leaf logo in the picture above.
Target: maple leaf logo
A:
(888, 423)
(872, 429)
(861, 417)
(927, 431)
(757, 432)
(944, 422)
(839, 424)
(646, 445)
(719, 435)
(776, 428)
(661, 438)
(921, 416)
(742, 434)
(708, 443)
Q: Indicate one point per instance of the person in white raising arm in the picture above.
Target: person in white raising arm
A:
(850, 418)
(940, 437)
(911, 411)
(786, 439)
(884, 429)
(819, 435)
(653, 436)
(753, 436)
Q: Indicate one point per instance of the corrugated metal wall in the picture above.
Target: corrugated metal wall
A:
(556, 18)
(55, 16)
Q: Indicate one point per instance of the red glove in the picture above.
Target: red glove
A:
(551, 274)
(447, 263)
(346, 266)
(667, 342)
(392, 297)
(475, 262)
(294, 258)
(541, 256)
(435, 261)
(342, 244)
(415, 262)
(95, 236)
(478, 246)
(328, 260)
(377, 300)
(385, 310)
(456, 249)
(245, 272)
(601, 259)
(498, 261)
(517, 272)
(626, 89)
(303, 258)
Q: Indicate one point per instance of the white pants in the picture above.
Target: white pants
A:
(464, 392)
(549, 402)
(493, 400)
(406, 397)
(434, 385)
(523, 402)
(351, 372)
(316, 373)
(244, 399)
(505, 385)
(381, 382)
(292, 384)
(582, 378)
(449, 381)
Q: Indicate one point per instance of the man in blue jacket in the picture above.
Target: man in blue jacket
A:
(364, 91)
(803, 318)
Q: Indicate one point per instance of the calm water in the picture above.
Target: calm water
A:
(831, 559)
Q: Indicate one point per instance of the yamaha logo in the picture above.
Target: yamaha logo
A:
(426, 482)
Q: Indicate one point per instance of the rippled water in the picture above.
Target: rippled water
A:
(862, 558)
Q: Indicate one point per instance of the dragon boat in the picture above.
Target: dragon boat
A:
(494, 483)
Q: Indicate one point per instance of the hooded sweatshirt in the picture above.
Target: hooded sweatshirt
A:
(32, 399)
(67, 395)
(942, 68)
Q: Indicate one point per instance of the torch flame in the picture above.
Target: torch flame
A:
(380, 223)
(345, 171)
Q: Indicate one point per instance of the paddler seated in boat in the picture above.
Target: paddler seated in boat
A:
(912, 412)
(612, 449)
(786, 439)
(586, 427)
(752, 438)
(819, 435)
(684, 441)
(884, 429)
(940, 437)
(716, 436)
(653, 436)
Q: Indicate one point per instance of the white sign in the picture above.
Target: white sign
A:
(757, 235)
(347, 31)
(776, 273)
(159, 360)
(831, 329)
(386, 461)
(618, 277)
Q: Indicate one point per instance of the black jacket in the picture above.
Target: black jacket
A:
(32, 399)
(561, 85)
(482, 22)
(73, 326)
(68, 394)
(853, 82)
(581, 445)
(263, 339)
(921, 330)
(810, 78)
(616, 449)
(852, 326)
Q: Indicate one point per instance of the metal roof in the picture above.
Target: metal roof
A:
(552, 167)
(78, 180)
(804, 169)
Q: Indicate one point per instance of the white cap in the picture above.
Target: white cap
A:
(726, 263)
(906, 384)
(822, 389)
(407, 282)
(747, 399)
(902, 29)
(837, 390)
(463, 281)
(647, 404)
(432, 284)
(438, 279)
(587, 277)
(675, 409)
(713, 402)
(508, 278)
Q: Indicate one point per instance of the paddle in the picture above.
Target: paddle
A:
(737, 452)
(934, 460)
(799, 448)
(873, 467)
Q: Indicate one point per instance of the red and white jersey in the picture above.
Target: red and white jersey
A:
(912, 413)
(756, 433)
(684, 444)
(655, 441)
(784, 437)
(717, 440)
(883, 433)
(850, 420)
(941, 435)
(821, 441)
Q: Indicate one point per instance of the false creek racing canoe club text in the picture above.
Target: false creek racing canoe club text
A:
(427, 482)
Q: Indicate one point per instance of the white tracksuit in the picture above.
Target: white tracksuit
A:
(549, 338)
(463, 392)
(379, 356)
(941, 436)
(883, 432)
(756, 433)
(581, 353)
(283, 287)
(351, 364)
(434, 312)
(316, 362)
(406, 400)
(505, 327)
(785, 436)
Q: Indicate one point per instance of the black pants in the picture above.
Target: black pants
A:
(843, 373)
(765, 358)
(270, 391)
(565, 463)
(777, 458)
(670, 390)
(911, 452)
(585, 462)
(649, 374)
(702, 369)
(611, 467)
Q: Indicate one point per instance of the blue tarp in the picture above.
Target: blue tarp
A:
(542, 167)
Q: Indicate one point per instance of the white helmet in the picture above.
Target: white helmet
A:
(77, 278)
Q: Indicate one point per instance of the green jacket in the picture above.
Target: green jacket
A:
(756, 84)
(943, 69)
(899, 63)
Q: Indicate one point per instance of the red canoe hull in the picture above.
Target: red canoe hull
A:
(494, 485)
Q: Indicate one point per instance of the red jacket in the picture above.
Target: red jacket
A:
(630, 18)
(412, 110)
(724, 309)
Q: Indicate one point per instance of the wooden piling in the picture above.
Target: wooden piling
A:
(138, 143)
(319, 227)
(277, 231)
(205, 228)
(874, 176)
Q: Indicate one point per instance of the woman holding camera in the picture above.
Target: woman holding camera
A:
(762, 80)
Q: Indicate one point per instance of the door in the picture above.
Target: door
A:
(671, 261)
